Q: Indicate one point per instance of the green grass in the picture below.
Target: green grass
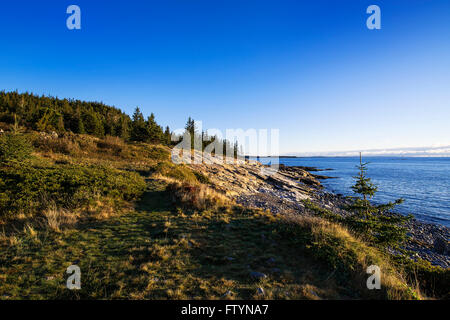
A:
(158, 252)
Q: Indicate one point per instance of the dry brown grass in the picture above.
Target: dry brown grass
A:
(56, 218)
(351, 253)
(65, 145)
(198, 196)
(113, 144)
(80, 145)
(115, 151)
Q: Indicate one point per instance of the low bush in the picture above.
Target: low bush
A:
(29, 189)
(178, 172)
(14, 148)
(157, 153)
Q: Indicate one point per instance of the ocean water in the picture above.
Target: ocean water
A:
(424, 183)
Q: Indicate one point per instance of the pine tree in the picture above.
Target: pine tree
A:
(235, 149)
(16, 128)
(92, 124)
(14, 146)
(167, 136)
(79, 125)
(52, 114)
(60, 123)
(190, 126)
(44, 123)
(365, 188)
(155, 132)
(139, 130)
(122, 128)
(191, 130)
(373, 219)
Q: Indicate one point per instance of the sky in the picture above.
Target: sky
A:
(311, 69)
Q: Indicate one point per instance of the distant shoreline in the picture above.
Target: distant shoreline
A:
(354, 156)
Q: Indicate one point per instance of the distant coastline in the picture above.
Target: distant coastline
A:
(351, 156)
(430, 151)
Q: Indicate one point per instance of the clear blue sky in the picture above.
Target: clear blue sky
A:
(310, 68)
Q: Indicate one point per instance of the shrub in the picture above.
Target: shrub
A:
(30, 189)
(14, 148)
(158, 153)
(177, 172)
(147, 151)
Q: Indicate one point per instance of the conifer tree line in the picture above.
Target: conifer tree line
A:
(205, 140)
(47, 114)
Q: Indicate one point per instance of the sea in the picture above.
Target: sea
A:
(423, 182)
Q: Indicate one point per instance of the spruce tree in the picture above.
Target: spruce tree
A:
(92, 124)
(80, 125)
(191, 130)
(122, 129)
(155, 133)
(167, 136)
(139, 130)
(190, 126)
(365, 188)
(374, 220)
(14, 145)
(43, 113)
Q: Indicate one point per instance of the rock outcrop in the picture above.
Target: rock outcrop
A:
(246, 177)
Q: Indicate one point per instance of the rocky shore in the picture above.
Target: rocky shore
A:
(282, 191)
